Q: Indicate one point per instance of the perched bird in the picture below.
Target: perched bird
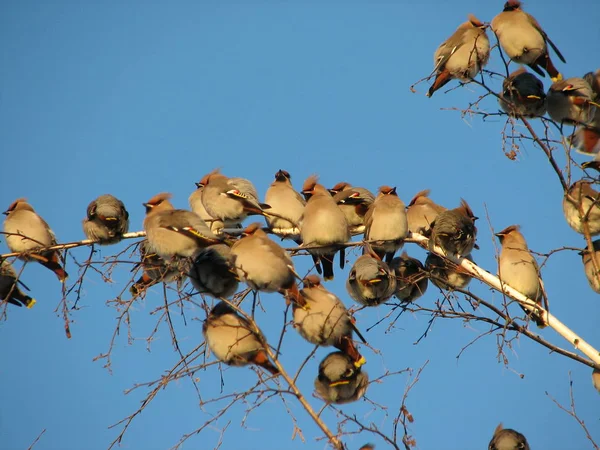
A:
(581, 204)
(324, 320)
(107, 220)
(212, 273)
(9, 289)
(445, 274)
(386, 225)
(263, 265)
(592, 273)
(571, 101)
(421, 212)
(596, 379)
(288, 204)
(370, 281)
(175, 232)
(196, 205)
(587, 137)
(507, 439)
(523, 40)
(411, 280)
(324, 225)
(28, 232)
(462, 55)
(523, 95)
(155, 270)
(339, 380)
(518, 268)
(354, 203)
(229, 199)
(232, 340)
(454, 230)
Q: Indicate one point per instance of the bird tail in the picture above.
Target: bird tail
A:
(327, 263)
(143, 283)
(440, 80)
(51, 261)
(262, 359)
(18, 298)
(346, 345)
(546, 63)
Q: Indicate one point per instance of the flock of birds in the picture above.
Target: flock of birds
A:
(202, 243)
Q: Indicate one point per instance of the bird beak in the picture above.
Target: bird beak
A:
(199, 185)
(6, 213)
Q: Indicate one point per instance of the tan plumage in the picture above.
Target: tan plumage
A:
(445, 274)
(581, 204)
(454, 230)
(370, 281)
(9, 287)
(339, 380)
(156, 270)
(411, 279)
(196, 205)
(523, 39)
(523, 95)
(571, 101)
(462, 55)
(323, 224)
(107, 220)
(421, 212)
(592, 275)
(354, 203)
(232, 340)
(28, 233)
(287, 204)
(507, 439)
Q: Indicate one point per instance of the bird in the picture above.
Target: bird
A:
(155, 270)
(411, 279)
(581, 206)
(263, 265)
(523, 95)
(233, 341)
(454, 230)
(586, 138)
(175, 232)
(27, 232)
(370, 281)
(9, 289)
(324, 320)
(421, 212)
(596, 379)
(354, 202)
(462, 55)
(212, 273)
(229, 199)
(196, 205)
(518, 268)
(288, 204)
(524, 41)
(445, 274)
(339, 380)
(507, 439)
(107, 220)
(323, 227)
(592, 272)
(571, 101)
(386, 225)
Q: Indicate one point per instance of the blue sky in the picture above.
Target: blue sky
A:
(135, 98)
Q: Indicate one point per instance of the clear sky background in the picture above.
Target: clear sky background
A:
(135, 98)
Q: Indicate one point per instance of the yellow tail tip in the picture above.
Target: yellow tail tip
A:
(361, 362)
(31, 303)
(558, 77)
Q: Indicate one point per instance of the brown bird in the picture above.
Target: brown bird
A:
(354, 203)
(324, 320)
(232, 340)
(287, 204)
(370, 281)
(196, 205)
(592, 273)
(411, 279)
(587, 137)
(454, 230)
(323, 226)
(523, 39)
(263, 265)
(28, 232)
(523, 95)
(596, 379)
(339, 380)
(175, 232)
(155, 270)
(9, 289)
(107, 220)
(445, 274)
(518, 268)
(571, 101)
(421, 212)
(507, 439)
(212, 272)
(386, 225)
(462, 55)
(581, 205)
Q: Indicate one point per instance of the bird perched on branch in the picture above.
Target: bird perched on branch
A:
(196, 205)
(592, 272)
(518, 268)
(288, 204)
(523, 95)
(507, 439)
(571, 101)
(370, 281)
(462, 55)
(323, 227)
(9, 289)
(421, 212)
(27, 232)
(454, 230)
(411, 280)
(445, 274)
(339, 380)
(354, 203)
(175, 232)
(233, 341)
(524, 41)
(155, 270)
(212, 273)
(587, 137)
(324, 320)
(581, 206)
(386, 225)
(107, 220)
